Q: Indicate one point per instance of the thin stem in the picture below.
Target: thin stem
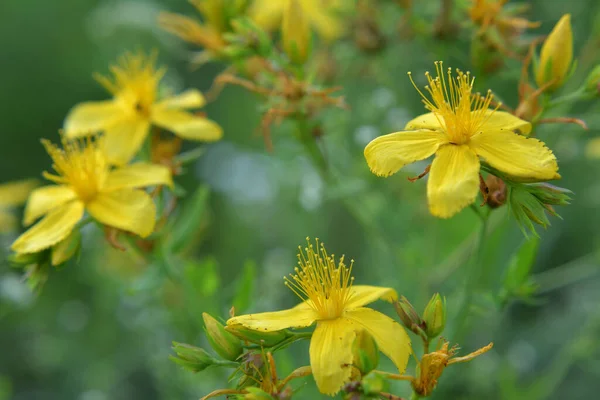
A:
(473, 277)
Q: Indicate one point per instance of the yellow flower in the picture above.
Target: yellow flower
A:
(321, 15)
(13, 194)
(459, 130)
(85, 182)
(208, 34)
(337, 306)
(557, 55)
(126, 119)
(295, 32)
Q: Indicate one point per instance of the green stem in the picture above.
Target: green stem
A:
(414, 396)
(473, 278)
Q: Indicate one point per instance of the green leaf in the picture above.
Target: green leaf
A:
(245, 287)
(202, 276)
(517, 281)
(188, 221)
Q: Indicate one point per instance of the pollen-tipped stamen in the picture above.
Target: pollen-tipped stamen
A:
(325, 286)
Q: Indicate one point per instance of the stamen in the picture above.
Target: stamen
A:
(318, 281)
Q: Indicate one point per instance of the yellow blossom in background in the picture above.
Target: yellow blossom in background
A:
(208, 34)
(295, 32)
(557, 55)
(323, 15)
(13, 194)
(135, 107)
(84, 182)
(337, 306)
(592, 149)
(459, 130)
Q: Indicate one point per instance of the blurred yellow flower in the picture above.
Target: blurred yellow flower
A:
(126, 119)
(207, 34)
(459, 129)
(321, 14)
(85, 182)
(557, 55)
(295, 31)
(337, 306)
(13, 194)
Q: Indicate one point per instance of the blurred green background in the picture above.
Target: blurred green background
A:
(102, 327)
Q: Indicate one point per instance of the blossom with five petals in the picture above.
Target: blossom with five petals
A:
(135, 107)
(459, 130)
(337, 307)
(85, 182)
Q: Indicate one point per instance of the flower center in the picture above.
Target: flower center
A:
(135, 82)
(80, 164)
(319, 282)
(459, 111)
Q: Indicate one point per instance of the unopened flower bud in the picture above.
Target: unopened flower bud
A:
(365, 352)
(409, 316)
(265, 339)
(254, 393)
(435, 316)
(556, 56)
(295, 32)
(592, 82)
(373, 384)
(224, 343)
(191, 358)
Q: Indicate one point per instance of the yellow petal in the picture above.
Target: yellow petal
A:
(187, 125)
(15, 193)
(53, 228)
(453, 180)
(298, 317)
(138, 175)
(324, 20)
(124, 139)
(8, 222)
(525, 158)
(267, 13)
(192, 98)
(503, 121)
(331, 354)
(426, 121)
(391, 338)
(45, 199)
(91, 117)
(127, 209)
(387, 154)
(364, 294)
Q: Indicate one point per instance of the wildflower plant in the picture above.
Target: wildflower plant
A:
(120, 192)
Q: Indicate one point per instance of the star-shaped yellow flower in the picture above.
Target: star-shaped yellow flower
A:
(85, 182)
(135, 107)
(337, 307)
(320, 13)
(13, 194)
(459, 130)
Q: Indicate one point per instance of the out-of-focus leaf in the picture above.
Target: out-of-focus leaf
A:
(244, 287)
(517, 282)
(188, 221)
(202, 276)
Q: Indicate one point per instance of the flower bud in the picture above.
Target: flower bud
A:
(409, 316)
(365, 352)
(223, 342)
(191, 358)
(295, 32)
(266, 339)
(556, 56)
(373, 384)
(435, 316)
(592, 82)
(254, 393)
